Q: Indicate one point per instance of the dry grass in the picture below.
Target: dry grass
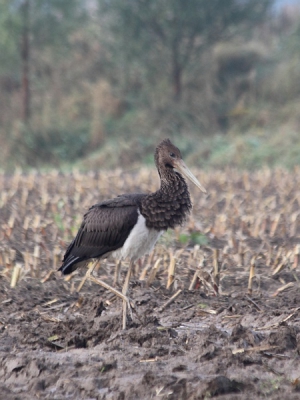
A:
(248, 225)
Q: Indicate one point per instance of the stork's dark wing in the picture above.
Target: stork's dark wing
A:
(104, 228)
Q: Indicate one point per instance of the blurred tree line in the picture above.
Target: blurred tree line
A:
(76, 76)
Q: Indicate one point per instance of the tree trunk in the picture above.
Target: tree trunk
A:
(25, 63)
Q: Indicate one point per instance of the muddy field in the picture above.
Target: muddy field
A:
(232, 330)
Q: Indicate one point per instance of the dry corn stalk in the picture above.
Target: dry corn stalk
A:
(153, 272)
(251, 274)
(15, 275)
(171, 271)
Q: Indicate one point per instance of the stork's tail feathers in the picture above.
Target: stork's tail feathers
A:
(70, 264)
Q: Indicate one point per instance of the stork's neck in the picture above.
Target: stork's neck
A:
(169, 205)
(171, 183)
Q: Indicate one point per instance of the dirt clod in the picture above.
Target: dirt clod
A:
(223, 385)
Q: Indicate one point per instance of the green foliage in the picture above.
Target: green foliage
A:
(185, 239)
(104, 75)
(270, 386)
(193, 238)
(54, 144)
(160, 41)
(58, 220)
(256, 149)
(10, 26)
(50, 22)
(203, 306)
(58, 143)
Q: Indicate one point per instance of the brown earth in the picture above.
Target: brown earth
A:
(220, 339)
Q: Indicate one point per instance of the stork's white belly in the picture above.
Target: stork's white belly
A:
(140, 241)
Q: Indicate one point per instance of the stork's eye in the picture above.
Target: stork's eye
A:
(172, 155)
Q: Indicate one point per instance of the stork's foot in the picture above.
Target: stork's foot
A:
(126, 303)
(122, 295)
(126, 300)
(127, 313)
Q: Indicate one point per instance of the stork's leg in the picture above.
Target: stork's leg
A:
(117, 272)
(87, 275)
(124, 291)
(113, 290)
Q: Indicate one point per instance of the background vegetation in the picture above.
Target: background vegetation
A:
(98, 83)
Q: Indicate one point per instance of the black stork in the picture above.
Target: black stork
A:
(129, 225)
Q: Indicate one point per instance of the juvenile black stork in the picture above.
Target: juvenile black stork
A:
(129, 225)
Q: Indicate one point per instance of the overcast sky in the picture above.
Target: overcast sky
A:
(280, 3)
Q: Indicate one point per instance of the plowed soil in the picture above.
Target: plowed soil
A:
(218, 338)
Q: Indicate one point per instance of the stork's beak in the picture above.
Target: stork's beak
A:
(181, 167)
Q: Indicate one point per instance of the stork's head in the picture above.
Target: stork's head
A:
(168, 158)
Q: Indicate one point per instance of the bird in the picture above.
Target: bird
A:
(129, 225)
